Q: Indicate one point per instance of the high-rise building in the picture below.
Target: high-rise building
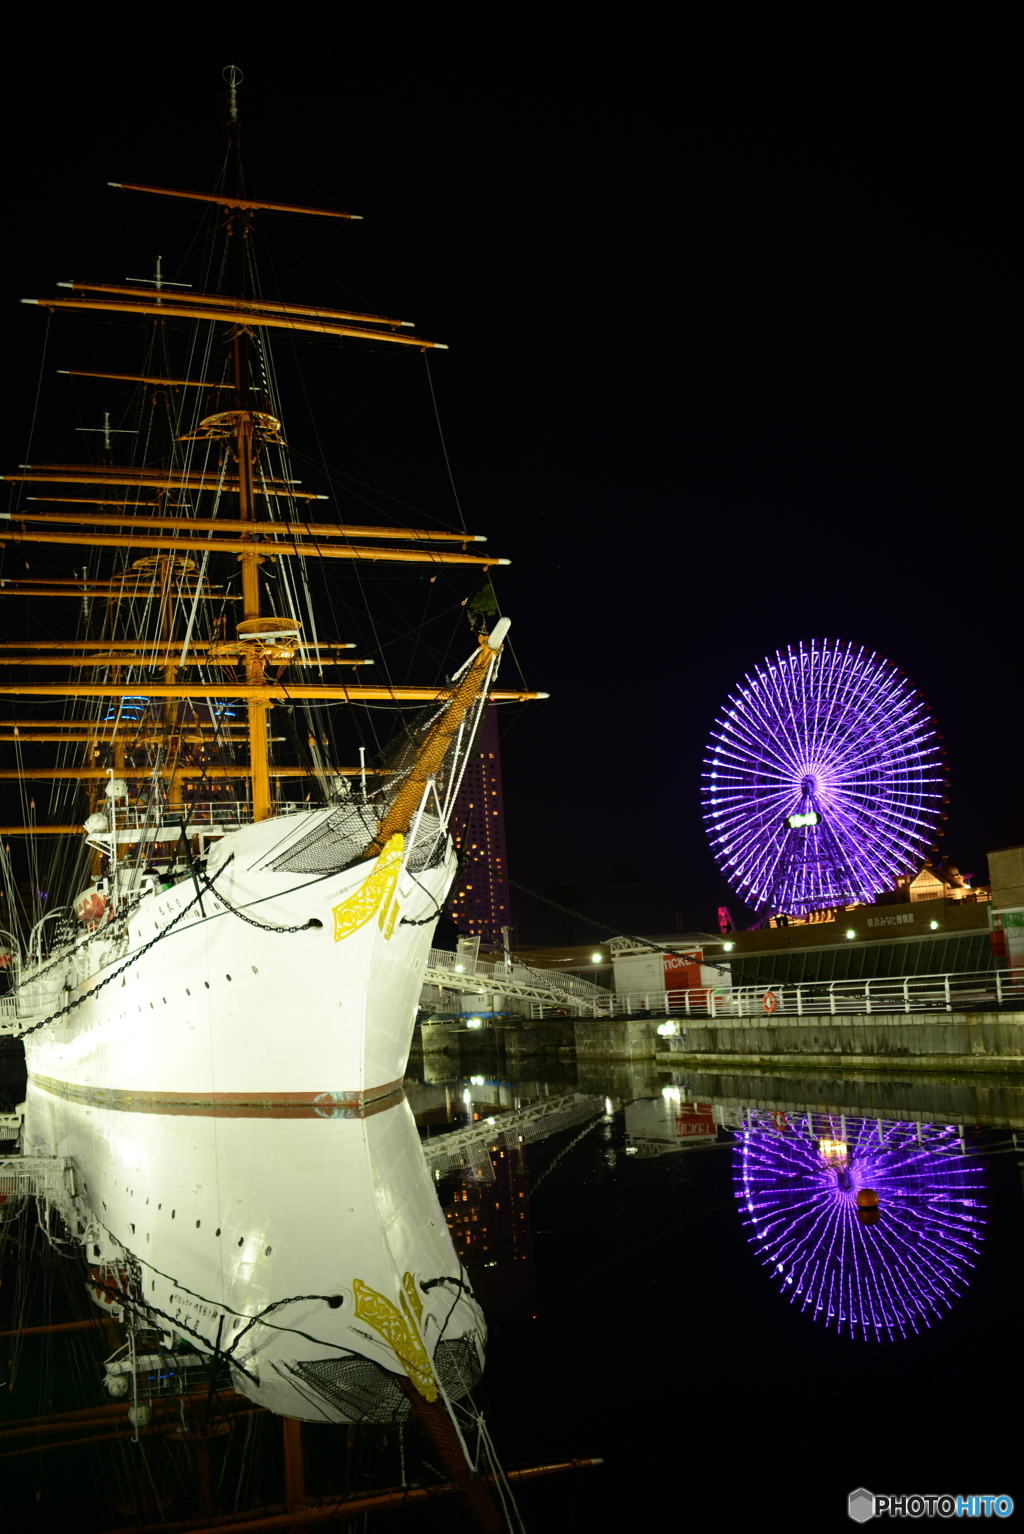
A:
(489, 1220)
(479, 902)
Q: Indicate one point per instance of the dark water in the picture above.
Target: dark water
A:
(632, 1319)
(662, 1344)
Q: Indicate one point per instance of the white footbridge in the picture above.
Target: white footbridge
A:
(493, 985)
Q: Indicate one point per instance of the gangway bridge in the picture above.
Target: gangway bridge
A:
(50, 1178)
(545, 989)
(507, 1130)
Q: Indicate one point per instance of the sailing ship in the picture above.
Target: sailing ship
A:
(225, 924)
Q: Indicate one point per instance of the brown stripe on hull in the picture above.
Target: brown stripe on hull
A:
(274, 1105)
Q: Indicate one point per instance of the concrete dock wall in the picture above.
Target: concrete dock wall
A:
(606, 1039)
(932, 1040)
(969, 1098)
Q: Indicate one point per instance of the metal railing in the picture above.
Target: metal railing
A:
(162, 823)
(534, 1121)
(43, 1176)
(915, 993)
(485, 976)
(905, 993)
(550, 990)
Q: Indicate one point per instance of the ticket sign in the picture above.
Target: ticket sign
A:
(681, 971)
(693, 1119)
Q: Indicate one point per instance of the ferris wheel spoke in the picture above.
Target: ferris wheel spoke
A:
(758, 742)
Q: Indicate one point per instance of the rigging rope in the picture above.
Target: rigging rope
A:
(262, 926)
(18, 490)
(591, 921)
(444, 447)
(601, 1119)
(134, 959)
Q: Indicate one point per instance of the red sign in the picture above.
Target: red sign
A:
(681, 971)
(694, 1119)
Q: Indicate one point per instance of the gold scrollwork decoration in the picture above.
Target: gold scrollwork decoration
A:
(412, 1294)
(399, 1332)
(373, 895)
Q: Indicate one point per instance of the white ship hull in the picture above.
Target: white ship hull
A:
(308, 1248)
(230, 1106)
(201, 1006)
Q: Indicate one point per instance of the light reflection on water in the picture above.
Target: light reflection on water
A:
(872, 1227)
(667, 1314)
(627, 1299)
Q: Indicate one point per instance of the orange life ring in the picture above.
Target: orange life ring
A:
(769, 1002)
(779, 1120)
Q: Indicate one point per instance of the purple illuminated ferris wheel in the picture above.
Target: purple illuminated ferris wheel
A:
(872, 1227)
(824, 779)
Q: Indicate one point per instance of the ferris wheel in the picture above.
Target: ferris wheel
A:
(824, 779)
(873, 1228)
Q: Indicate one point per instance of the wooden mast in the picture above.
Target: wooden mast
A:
(265, 642)
(183, 309)
(251, 559)
(225, 524)
(275, 539)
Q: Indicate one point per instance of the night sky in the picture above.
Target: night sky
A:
(731, 329)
